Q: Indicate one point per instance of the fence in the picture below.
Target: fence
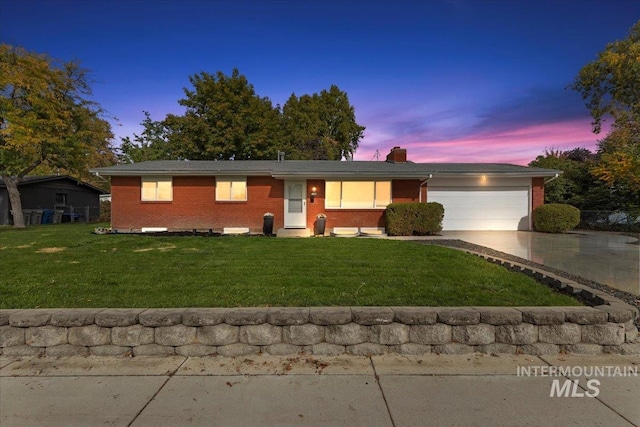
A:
(620, 220)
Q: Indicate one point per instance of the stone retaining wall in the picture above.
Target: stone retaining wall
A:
(608, 326)
(318, 330)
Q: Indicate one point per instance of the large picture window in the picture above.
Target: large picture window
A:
(231, 189)
(357, 194)
(157, 189)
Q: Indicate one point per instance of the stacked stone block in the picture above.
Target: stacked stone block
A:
(318, 330)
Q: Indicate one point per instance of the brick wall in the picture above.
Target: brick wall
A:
(537, 194)
(194, 205)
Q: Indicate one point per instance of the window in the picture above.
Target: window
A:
(157, 189)
(357, 194)
(231, 189)
(61, 199)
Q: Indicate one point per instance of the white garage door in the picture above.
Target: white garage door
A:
(487, 208)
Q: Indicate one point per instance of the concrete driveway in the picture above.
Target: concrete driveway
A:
(606, 258)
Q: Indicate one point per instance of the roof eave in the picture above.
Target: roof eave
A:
(347, 175)
(178, 173)
(523, 174)
(422, 175)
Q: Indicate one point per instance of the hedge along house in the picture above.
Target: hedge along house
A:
(212, 195)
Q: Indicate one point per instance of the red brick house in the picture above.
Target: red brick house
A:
(211, 195)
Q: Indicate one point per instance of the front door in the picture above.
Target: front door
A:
(295, 204)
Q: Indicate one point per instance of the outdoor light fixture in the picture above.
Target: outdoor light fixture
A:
(314, 193)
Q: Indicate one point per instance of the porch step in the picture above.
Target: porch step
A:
(345, 232)
(293, 232)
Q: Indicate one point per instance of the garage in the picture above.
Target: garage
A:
(482, 207)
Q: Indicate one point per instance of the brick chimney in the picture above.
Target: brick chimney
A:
(397, 155)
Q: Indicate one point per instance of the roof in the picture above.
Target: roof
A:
(320, 169)
(34, 179)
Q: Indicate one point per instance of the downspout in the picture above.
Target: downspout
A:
(420, 188)
(530, 202)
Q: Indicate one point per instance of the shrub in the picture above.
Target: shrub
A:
(105, 211)
(408, 219)
(555, 218)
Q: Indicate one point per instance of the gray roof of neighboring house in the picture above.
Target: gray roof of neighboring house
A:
(34, 179)
(320, 169)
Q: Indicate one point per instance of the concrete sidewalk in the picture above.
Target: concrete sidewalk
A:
(388, 390)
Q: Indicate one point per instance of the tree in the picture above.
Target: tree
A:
(46, 120)
(301, 127)
(321, 127)
(619, 164)
(576, 186)
(610, 85)
(151, 144)
(225, 118)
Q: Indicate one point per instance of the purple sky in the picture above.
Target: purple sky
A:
(451, 81)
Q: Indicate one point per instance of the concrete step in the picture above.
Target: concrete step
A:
(293, 232)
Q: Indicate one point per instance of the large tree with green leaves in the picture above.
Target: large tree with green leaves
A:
(610, 85)
(151, 144)
(577, 185)
(225, 118)
(321, 126)
(47, 120)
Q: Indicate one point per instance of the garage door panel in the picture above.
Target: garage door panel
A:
(470, 208)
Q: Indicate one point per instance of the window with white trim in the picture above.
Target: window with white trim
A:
(357, 194)
(231, 189)
(157, 189)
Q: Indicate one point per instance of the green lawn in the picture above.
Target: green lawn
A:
(68, 266)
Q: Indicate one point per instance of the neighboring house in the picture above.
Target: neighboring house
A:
(58, 192)
(187, 195)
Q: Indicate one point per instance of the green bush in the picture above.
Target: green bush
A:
(105, 211)
(409, 219)
(555, 218)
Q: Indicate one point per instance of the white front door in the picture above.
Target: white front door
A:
(295, 204)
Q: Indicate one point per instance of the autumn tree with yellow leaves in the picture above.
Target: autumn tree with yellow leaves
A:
(610, 85)
(47, 120)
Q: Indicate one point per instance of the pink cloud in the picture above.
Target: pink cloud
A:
(518, 146)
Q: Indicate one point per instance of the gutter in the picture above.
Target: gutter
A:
(552, 178)
(349, 175)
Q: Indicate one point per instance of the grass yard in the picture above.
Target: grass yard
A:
(68, 266)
